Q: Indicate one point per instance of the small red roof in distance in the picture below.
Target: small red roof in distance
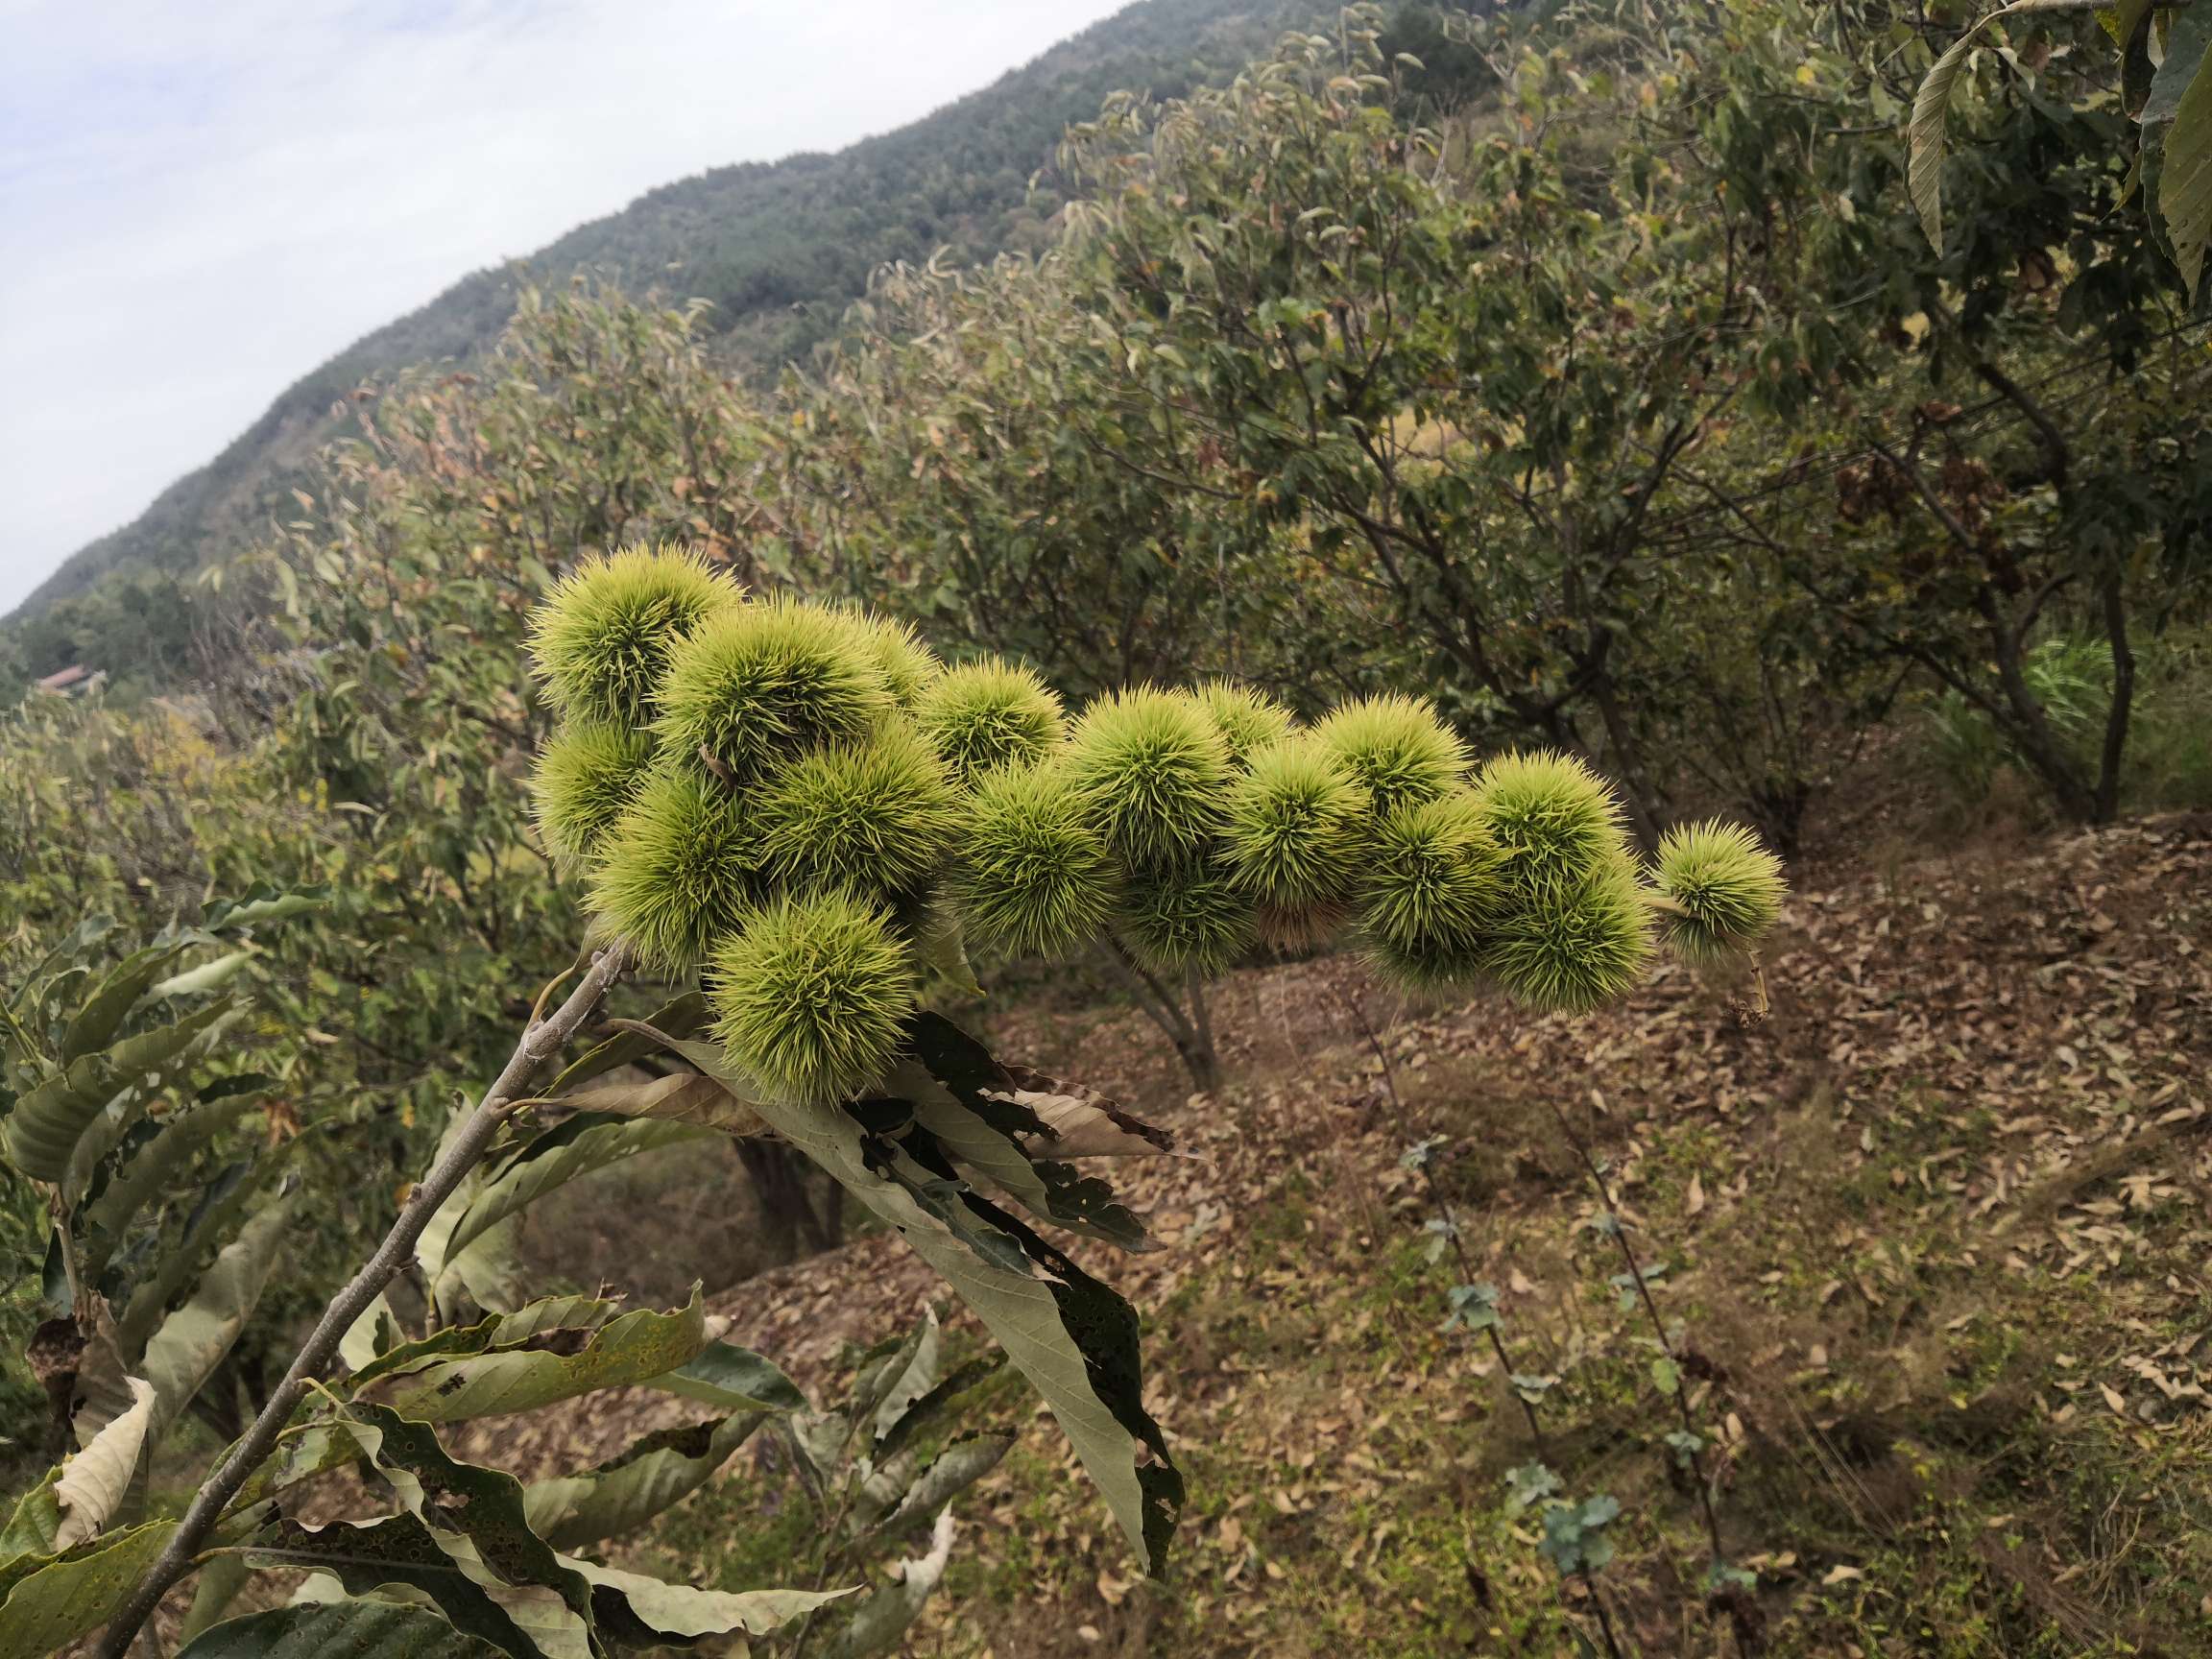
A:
(65, 679)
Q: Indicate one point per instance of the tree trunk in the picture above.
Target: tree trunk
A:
(1189, 1028)
(2121, 709)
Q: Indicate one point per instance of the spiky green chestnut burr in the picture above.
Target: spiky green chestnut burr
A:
(1032, 874)
(602, 640)
(1152, 772)
(757, 685)
(586, 776)
(1396, 749)
(875, 816)
(678, 868)
(811, 998)
(1576, 946)
(1430, 896)
(987, 714)
(1294, 828)
(1554, 820)
(1249, 720)
(907, 664)
(1188, 915)
(1726, 891)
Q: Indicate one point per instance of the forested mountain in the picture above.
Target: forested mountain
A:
(779, 247)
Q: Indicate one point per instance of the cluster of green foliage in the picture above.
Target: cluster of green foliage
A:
(2166, 89)
(125, 1112)
(1538, 411)
(135, 1102)
(1648, 495)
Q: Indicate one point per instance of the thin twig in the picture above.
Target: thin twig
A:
(1467, 1274)
(540, 1043)
(1695, 1443)
(1444, 1211)
(1619, 1233)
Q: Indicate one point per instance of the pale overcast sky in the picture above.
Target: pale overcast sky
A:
(201, 200)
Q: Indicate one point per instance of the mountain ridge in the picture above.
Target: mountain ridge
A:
(779, 249)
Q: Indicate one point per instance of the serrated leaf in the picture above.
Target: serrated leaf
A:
(104, 1012)
(1070, 1336)
(51, 1600)
(570, 1313)
(34, 1522)
(965, 1099)
(399, 1549)
(919, 1415)
(569, 1511)
(908, 1372)
(533, 1319)
(191, 1342)
(41, 1134)
(1932, 113)
(950, 1473)
(220, 1209)
(145, 1170)
(92, 1483)
(1080, 1122)
(636, 1347)
(262, 903)
(632, 1608)
(2185, 170)
(357, 1630)
(476, 1516)
(878, 1622)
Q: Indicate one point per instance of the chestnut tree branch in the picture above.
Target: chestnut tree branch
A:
(541, 1040)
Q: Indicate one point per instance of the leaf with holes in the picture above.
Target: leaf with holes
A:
(569, 1511)
(1070, 1336)
(47, 1601)
(635, 1347)
(359, 1629)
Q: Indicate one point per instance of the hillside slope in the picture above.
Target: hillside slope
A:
(779, 247)
(1935, 1228)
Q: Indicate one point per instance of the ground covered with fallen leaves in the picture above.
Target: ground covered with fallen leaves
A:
(1932, 1236)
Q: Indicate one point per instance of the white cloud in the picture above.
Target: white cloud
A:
(202, 201)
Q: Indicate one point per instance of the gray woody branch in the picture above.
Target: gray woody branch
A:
(540, 1043)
